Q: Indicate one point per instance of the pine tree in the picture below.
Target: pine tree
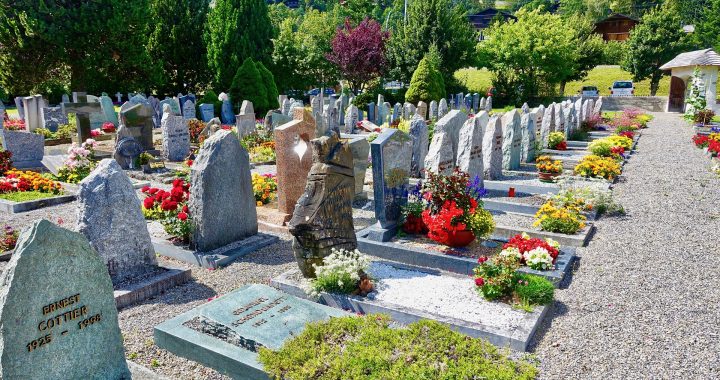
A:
(248, 85)
(271, 88)
(426, 84)
(236, 30)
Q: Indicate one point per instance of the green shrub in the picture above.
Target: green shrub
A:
(352, 348)
(269, 82)
(538, 291)
(426, 84)
(248, 85)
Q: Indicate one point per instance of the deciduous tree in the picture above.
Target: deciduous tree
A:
(359, 52)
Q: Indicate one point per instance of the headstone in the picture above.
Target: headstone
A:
(223, 203)
(188, 110)
(383, 113)
(97, 119)
(391, 155)
(460, 101)
(173, 106)
(360, 149)
(470, 147)
(108, 207)
(137, 122)
(440, 158)
(52, 117)
(528, 133)
(488, 104)
(294, 159)
(245, 120)
(525, 108)
(442, 108)
(476, 102)
(3, 114)
(492, 149)
(108, 109)
(420, 136)
(176, 136)
(32, 108)
(281, 100)
(559, 119)
(397, 111)
(27, 148)
(118, 97)
(481, 106)
(539, 115)
(20, 108)
(57, 310)
(451, 102)
(512, 140)
(82, 110)
(433, 110)
(371, 115)
(451, 123)
(569, 116)
(578, 109)
(207, 112)
(340, 112)
(182, 99)
(468, 103)
(361, 115)
(65, 98)
(226, 112)
(422, 109)
(322, 219)
(591, 108)
(228, 332)
(548, 125)
(597, 108)
(285, 105)
(352, 117)
(330, 121)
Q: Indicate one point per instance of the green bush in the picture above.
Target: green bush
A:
(269, 82)
(248, 85)
(426, 84)
(538, 291)
(352, 348)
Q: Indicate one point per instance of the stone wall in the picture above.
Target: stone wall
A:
(617, 103)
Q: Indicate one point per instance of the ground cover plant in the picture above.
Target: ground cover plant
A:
(354, 348)
(21, 186)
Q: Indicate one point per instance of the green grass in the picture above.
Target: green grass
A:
(25, 196)
(480, 80)
(716, 119)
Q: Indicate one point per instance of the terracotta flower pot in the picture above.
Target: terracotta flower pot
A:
(548, 177)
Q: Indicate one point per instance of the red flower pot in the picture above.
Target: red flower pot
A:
(414, 225)
(459, 239)
(548, 177)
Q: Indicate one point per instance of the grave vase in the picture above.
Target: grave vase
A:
(548, 177)
(459, 239)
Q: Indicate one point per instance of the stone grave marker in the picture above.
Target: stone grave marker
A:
(512, 140)
(548, 125)
(52, 117)
(118, 97)
(27, 148)
(97, 119)
(371, 114)
(285, 107)
(459, 101)
(207, 112)
(442, 108)
(492, 149)
(397, 112)
(467, 103)
(539, 115)
(383, 113)
(182, 99)
(422, 109)
(108, 207)
(108, 109)
(433, 110)
(245, 120)
(3, 114)
(470, 146)
(559, 119)
(223, 204)
(293, 159)
(476, 102)
(352, 117)
(226, 112)
(440, 158)
(57, 311)
(188, 110)
(419, 133)
(391, 155)
(227, 333)
(322, 219)
(481, 107)
(20, 108)
(597, 108)
(82, 110)
(176, 136)
(451, 124)
(360, 148)
(578, 108)
(32, 106)
(488, 104)
(65, 98)
(136, 121)
(528, 137)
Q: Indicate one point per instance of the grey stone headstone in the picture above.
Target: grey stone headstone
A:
(371, 112)
(316, 104)
(2, 110)
(433, 110)
(440, 158)
(110, 217)
(285, 105)
(188, 110)
(512, 140)
(525, 108)
(481, 107)
(207, 112)
(138, 121)
(360, 148)
(176, 136)
(451, 124)
(548, 125)
(245, 120)
(383, 113)
(27, 148)
(422, 110)
(559, 119)
(226, 114)
(488, 104)
(578, 109)
(361, 115)
(352, 116)
(539, 115)
(53, 117)
(118, 97)
(223, 203)
(597, 108)
(173, 106)
(63, 323)
(97, 119)
(476, 102)
(529, 133)
(391, 155)
(467, 103)
(20, 108)
(66, 99)
(442, 108)
(470, 147)
(420, 136)
(108, 109)
(460, 101)
(32, 106)
(570, 116)
(182, 100)
(157, 110)
(492, 149)
(397, 111)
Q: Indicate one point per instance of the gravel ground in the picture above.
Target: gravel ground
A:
(643, 301)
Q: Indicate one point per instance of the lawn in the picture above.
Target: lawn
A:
(601, 77)
(25, 196)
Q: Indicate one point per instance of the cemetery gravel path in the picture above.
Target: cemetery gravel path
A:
(644, 299)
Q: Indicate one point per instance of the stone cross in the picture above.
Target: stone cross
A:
(82, 110)
(118, 97)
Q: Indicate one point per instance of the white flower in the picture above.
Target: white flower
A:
(511, 252)
(552, 243)
(538, 259)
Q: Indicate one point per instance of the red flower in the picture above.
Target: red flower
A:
(185, 209)
(168, 205)
(525, 245)
(153, 190)
(182, 216)
(178, 182)
(561, 146)
(189, 162)
(479, 282)
(145, 189)
(482, 259)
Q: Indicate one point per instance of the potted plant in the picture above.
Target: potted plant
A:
(548, 170)
(556, 141)
(143, 160)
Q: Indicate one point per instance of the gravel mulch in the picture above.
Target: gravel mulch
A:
(643, 301)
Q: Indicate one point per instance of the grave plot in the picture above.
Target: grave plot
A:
(22, 191)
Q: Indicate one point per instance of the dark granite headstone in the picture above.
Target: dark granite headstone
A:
(207, 112)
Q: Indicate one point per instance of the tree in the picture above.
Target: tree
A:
(707, 29)
(286, 57)
(176, 44)
(359, 52)
(270, 87)
(100, 43)
(248, 85)
(656, 40)
(236, 30)
(439, 22)
(427, 83)
(530, 56)
(590, 49)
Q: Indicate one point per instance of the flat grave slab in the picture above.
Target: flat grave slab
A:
(137, 292)
(422, 252)
(217, 258)
(226, 333)
(468, 314)
(69, 195)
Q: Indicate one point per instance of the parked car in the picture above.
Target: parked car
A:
(316, 91)
(622, 88)
(589, 91)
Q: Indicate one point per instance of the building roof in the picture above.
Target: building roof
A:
(483, 19)
(707, 57)
(617, 16)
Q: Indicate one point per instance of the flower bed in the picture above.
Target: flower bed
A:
(710, 142)
(264, 188)
(8, 239)
(564, 219)
(593, 166)
(170, 209)
(342, 272)
(17, 181)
